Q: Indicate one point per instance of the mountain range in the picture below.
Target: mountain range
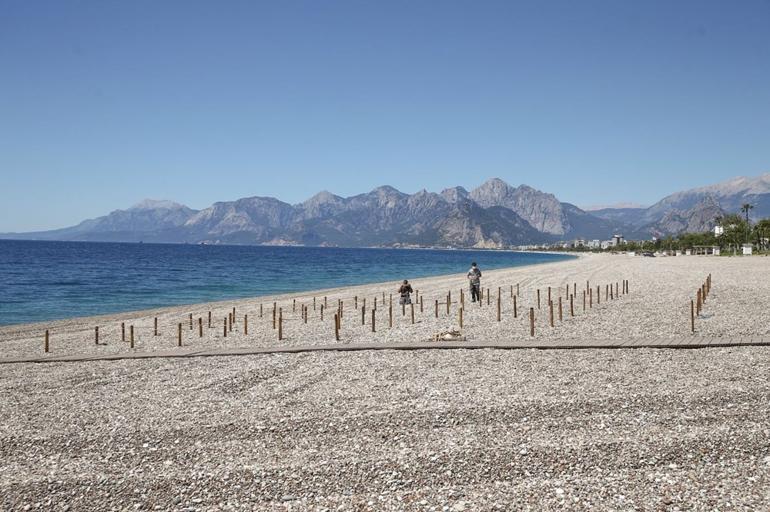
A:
(494, 215)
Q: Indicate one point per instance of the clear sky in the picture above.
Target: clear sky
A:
(104, 103)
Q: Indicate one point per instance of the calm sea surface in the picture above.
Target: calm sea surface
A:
(54, 280)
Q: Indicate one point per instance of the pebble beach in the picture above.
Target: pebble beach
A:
(433, 430)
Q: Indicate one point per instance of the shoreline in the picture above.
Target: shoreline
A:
(160, 310)
(656, 307)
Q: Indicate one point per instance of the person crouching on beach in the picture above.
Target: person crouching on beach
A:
(474, 279)
(405, 292)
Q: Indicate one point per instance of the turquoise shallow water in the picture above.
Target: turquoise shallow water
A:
(53, 280)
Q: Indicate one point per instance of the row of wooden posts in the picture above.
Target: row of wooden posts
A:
(277, 312)
(697, 304)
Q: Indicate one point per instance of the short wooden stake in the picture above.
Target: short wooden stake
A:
(498, 306)
(200, 327)
(260, 309)
(363, 315)
(460, 317)
(122, 331)
(245, 324)
(437, 309)
(96, 335)
(224, 331)
(692, 316)
(549, 294)
(571, 305)
(411, 312)
(179, 335)
(45, 344)
(515, 308)
(275, 313)
(390, 315)
(590, 298)
(322, 312)
(280, 324)
(420, 304)
(531, 321)
(131, 335)
(517, 289)
(336, 327)
(538, 298)
(191, 322)
(448, 303)
(488, 294)
(560, 316)
(374, 312)
(155, 326)
(209, 319)
(584, 301)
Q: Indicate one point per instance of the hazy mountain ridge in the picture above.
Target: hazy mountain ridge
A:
(495, 214)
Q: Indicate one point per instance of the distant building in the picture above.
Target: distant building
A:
(618, 240)
(606, 244)
(747, 249)
(719, 230)
(595, 244)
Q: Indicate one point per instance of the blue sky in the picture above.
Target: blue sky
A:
(104, 103)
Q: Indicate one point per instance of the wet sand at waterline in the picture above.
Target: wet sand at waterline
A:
(657, 306)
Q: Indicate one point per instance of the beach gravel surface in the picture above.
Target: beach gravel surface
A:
(424, 430)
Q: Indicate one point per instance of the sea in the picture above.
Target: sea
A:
(42, 281)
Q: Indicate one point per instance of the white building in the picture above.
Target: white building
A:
(595, 244)
(747, 249)
(719, 230)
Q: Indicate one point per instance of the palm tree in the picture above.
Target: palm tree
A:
(745, 209)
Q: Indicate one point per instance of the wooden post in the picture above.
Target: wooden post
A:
(245, 324)
(390, 315)
(531, 321)
(363, 315)
(460, 317)
(280, 324)
(355, 302)
(606, 292)
(611, 295)
(224, 335)
(96, 335)
(305, 311)
(336, 327)
(549, 294)
(231, 322)
(374, 311)
(550, 312)
(200, 327)
(122, 331)
(560, 317)
(260, 309)
(411, 311)
(571, 305)
(342, 308)
(448, 303)
(209, 319)
(515, 309)
(498, 305)
(403, 309)
(314, 304)
(517, 289)
(363, 303)
(511, 291)
(421, 304)
(598, 295)
(692, 316)
(488, 294)
(375, 302)
(703, 292)
(179, 335)
(45, 344)
(538, 298)
(325, 305)
(322, 312)
(436, 308)
(233, 315)
(584, 301)
(566, 290)
(131, 334)
(698, 304)
(191, 322)
(462, 298)
(590, 298)
(155, 332)
(275, 312)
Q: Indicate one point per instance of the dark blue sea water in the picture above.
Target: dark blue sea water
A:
(52, 280)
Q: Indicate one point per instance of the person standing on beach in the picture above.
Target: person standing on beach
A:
(474, 279)
(405, 292)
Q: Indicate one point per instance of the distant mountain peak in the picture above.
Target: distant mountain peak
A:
(157, 204)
